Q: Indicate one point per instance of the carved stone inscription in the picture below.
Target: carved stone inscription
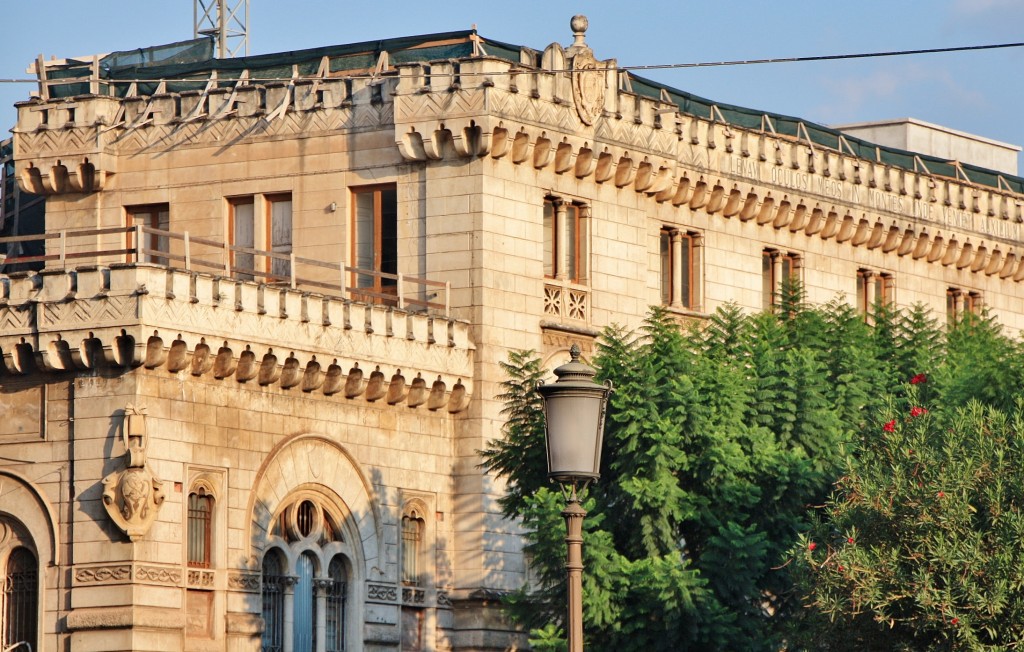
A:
(22, 413)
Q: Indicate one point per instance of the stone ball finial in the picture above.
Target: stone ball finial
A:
(579, 25)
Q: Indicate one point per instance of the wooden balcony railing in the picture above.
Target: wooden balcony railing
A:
(70, 248)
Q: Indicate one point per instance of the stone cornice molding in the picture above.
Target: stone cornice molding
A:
(521, 116)
(127, 316)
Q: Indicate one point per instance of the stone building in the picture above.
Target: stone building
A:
(244, 393)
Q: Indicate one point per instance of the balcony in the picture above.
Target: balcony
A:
(180, 251)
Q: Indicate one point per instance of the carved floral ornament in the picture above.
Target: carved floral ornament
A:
(133, 496)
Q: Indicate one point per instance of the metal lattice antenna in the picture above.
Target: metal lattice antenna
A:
(227, 21)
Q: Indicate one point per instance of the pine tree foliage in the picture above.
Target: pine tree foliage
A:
(719, 442)
(520, 455)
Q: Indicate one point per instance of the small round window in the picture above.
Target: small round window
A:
(306, 517)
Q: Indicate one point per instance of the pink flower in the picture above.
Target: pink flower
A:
(918, 378)
(917, 411)
(890, 427)
(849, 540)
(811, 546)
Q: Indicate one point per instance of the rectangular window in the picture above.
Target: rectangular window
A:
(777, 268)
(565, 235)
(961, 302)
(242, 230)
(375, 238)
(665, 257)
(257, 229)
(874, 289)
(279, 227)
(153, 218)
(678, 273)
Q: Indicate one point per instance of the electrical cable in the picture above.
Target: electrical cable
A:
(664, 66)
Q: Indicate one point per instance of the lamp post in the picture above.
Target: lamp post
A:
(574, 407)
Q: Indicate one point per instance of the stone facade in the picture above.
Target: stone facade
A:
(305, 426)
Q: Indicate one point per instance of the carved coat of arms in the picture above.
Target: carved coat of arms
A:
(133, 495)
(587, 86)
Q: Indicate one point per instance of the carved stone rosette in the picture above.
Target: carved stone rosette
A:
(133, 496)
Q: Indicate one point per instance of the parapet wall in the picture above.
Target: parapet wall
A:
(125, 316)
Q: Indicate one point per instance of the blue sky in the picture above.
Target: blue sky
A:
(978, 92)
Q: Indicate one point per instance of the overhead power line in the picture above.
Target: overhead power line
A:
(661, 66)
(826, 57)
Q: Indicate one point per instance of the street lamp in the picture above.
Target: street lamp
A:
(574, 408)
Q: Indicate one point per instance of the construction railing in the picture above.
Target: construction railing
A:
(133, 244)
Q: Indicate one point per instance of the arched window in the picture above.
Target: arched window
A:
(337, 586)
(273, 602)
(20, 598)
(200, 528)
(412, 544)
(311, 582)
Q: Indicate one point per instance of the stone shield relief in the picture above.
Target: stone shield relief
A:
(133, 495)
(587, 87)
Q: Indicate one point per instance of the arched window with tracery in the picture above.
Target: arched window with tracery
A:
(200, 528)
(21, 599)
(412, 547)
(312, 585)
(274, 581)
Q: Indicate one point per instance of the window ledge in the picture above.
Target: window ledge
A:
(569, 328)
(687, 312)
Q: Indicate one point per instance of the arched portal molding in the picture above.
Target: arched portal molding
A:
(25, 502)
(313, 460)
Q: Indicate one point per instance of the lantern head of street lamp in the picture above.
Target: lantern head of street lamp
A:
(574, 409)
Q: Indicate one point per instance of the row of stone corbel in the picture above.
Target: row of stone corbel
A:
(657, 175)
(123, 352)
(797, 214)
(538, 148)
(83, 177)
(657, 178)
